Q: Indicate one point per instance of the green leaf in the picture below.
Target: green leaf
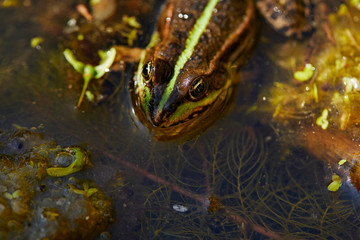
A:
(77, 65)
(107, 59)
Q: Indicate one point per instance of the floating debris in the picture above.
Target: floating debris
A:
(180, 208)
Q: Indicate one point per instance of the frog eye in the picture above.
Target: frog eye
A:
(198, 88)
(147, 71)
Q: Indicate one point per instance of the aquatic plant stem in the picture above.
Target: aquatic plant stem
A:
(86, 83)
(255, 227)
(206, 169)
(200, 198)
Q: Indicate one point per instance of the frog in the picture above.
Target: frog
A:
(187, 76)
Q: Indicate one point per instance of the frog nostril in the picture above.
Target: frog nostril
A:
(157, 118)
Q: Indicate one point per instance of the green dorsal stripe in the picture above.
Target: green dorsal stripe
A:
(194, 36)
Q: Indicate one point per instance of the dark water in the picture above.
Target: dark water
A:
(266, 189)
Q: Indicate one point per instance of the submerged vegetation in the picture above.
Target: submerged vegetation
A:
(243, 190)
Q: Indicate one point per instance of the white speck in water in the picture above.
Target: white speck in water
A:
(180, 208)
(180, 15)
(351, 84)
(215, 10)
(277, 10)
(268, 139)
(168, 19)
(186, 16)
(264, 98)
(71, 22)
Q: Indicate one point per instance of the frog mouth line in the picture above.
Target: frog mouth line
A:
(163, 123)
(198, 114)
(189, 118)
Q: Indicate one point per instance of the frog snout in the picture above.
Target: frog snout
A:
(157, 118)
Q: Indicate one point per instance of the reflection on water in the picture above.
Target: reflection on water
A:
(238, 180)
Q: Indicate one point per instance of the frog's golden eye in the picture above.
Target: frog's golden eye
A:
(147, 71)
(198, 88)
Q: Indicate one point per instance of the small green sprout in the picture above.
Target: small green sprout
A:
(90, 96)
(93, 2)
(340, 63)
(34, 42)
(87, 192)
(81, 159)
(322, 120)
(131, 21)
(335, 184)
(336, 98)
(13, 195)
(343, 10)
(306, 74)
(88, 71)
(50, 214)
(9, 3)
(129, 28)
(132, 36)
(342, 161)
(316, 94)
(355, 3)
(80, 37)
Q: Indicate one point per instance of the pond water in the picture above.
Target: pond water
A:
(238, 180)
